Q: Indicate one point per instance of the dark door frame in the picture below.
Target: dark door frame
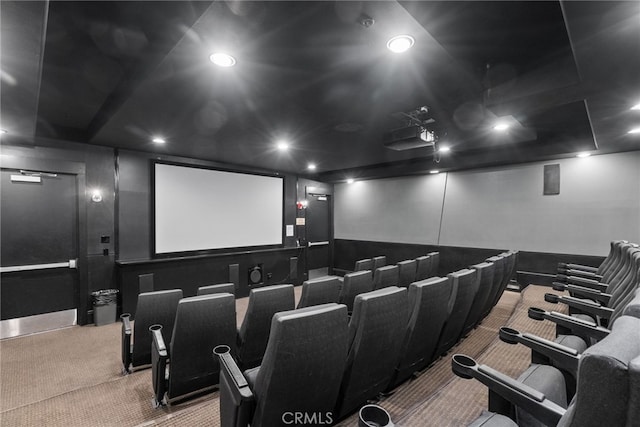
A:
(79, 170)
(319, 191)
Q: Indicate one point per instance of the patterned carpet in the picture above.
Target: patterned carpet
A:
(71, 377)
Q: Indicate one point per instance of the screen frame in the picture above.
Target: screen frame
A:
(211, 251)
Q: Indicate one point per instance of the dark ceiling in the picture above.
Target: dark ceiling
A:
(117, 73)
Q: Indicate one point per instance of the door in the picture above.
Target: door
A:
(39, 251)
(319, 235)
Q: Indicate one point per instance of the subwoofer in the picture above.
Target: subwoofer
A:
(255, 275)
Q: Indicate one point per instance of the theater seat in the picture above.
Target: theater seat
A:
(385, 276)
(423, 267)
(434, 265)
(428, 310)
(254, 332)
(484, 280)
(202, 323)
(297, 375)
(379, 261)
(463, 286)
(354, 284)
(406, 272)
(606, 374)
(152, 308)
(223, 288)
(376, 330)
(319, 291)
(364, 264)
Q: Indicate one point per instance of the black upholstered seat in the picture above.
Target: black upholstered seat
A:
(434, 265)
(376, 331)
(254, 332)
(385, 276)
(423, 267)
(379, 261)
(499, 273)
(463, 286)
(406, 272)
(202, 323)
(484, 280)
(319, 291)
(428, 310)
(363, 264)
(157, 307)
(222, 288)
(353, 284)
(297, 375)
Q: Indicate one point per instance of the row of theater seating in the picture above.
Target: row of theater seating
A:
(319, 362)
(590, 376)
(404, 272)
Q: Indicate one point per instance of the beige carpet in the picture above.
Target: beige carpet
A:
(71, 377)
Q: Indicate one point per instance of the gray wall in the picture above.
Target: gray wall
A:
(501, 207)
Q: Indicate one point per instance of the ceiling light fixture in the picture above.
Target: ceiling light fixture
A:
(2, 131)
(583, 155)
(399, 44)
(636, 107)
(223, 59)
(350, 181)
(501, 127)
(634, 130)
(158, 140)
(435, 171)
(311, 166)
(444, 149)
(282, 145)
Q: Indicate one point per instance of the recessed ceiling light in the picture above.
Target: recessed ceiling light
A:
(636, 107)
(223, 59)
(3, 131)
(434, 171)
(158, 140)
(399, 44)
(282, 145)
(311, 166)
(444, 149)
(501, 127)
(634, 130)
(350, 181)
(583, 155)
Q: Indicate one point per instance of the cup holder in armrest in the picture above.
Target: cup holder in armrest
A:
(374, 416)
(153, 328)
(552, 298)
(462, 365)
(508, 335)
(536, 313)
(221, 349)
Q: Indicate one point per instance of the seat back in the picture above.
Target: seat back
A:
(222, 288)
(611, 257)
(254, 332)
(435, 263)
(299, 374)
(375, 334)
(319, 291)
(423, 267)
(406, 272)
(428, 310)
(606, 373)
(354, 284)
(462, 293)
(484, 280)
(508, 270)
(379, 261)
(364, 264)
(498, 275)
(202, 323)
(385, 276)
(616, 263)
(153, 308)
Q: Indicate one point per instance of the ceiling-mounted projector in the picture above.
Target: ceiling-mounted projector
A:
(417, 133)
(409, 137)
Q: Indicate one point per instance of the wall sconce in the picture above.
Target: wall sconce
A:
(96, 196)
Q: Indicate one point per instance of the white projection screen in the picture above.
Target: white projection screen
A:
(200, 209)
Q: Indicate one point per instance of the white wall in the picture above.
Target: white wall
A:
(502, 207)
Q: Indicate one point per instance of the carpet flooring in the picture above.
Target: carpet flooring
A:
(72, 377)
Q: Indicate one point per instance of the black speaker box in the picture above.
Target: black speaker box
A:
(255, 275)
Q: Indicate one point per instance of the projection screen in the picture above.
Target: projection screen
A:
(199, 209)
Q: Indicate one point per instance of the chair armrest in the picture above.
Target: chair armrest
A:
(601, 297)
(586, 268)
(159, 356)
(237, 402)
(126, 342)
(564, 357)
(586, 306)
(587, 283)
(519, 394)
(577, 326)
(579, 273)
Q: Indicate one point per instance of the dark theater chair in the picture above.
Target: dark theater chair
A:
(406, 272)
(354, 284)
(152, 308)
(202, 323)
(298, 375)
(319, 291)
(423, 267)
(222, 288)
(379, 261)
(386, 276)
(484, 279)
